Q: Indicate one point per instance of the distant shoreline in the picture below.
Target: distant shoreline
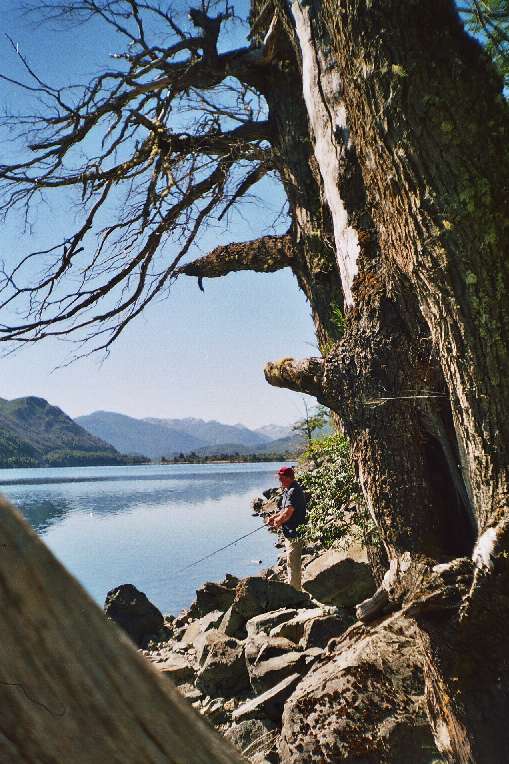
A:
(229, 458)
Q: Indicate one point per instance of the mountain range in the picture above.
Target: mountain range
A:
(156, 438)
(34, 433)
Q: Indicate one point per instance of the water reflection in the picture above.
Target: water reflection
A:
(42, 514)
(145, 528)
(46, 503)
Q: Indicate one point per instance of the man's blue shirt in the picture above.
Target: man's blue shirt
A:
(294, 496)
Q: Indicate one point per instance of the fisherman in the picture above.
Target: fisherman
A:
(291, 514)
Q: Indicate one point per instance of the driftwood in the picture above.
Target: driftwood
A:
(72, 687)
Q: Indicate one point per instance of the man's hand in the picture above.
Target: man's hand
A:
(277, 520)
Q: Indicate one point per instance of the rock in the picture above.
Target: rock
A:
(201, 625)
(211, 597)
(177, 668)
(336, 579)
(205, 641)
(318, 631)
(363, 701)
(224, 671)
(230, 581)
(252, 736)
(293, 629)
(268, 672)
(267, 621)
(134, 613)
(256, 595)
(270, 703)
(233, 624)
(190, 692)
(182, 619)
(215, 711)
(262, 647)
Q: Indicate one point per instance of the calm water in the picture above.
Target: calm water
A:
(140, 525)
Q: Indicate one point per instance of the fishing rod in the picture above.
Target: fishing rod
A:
(196, 562)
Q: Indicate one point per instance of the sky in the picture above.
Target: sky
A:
(193, 354)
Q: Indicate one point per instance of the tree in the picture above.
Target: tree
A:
(169, 139)
(396, 155)
(312, 421)
(421, 375)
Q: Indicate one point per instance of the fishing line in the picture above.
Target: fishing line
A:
(196, 562)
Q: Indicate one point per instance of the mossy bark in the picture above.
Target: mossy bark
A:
(429, 329)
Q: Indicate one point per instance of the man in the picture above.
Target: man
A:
(292, 513)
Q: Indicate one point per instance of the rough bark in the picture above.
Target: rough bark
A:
(265, 255)
(424, 113)
(379, 381)
(73, 687)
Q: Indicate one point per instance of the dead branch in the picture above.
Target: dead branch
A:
(265, 255)
(169, 162)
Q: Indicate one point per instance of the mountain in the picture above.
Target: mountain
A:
(274, 431)
(214, 433)
(35, 433)
(290, 445)
(139, 436)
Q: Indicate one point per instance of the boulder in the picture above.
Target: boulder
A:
(293, 629)
(318, 631)
(270, 703)
(212, 596)
(261, 647)
(336, 579)
(134, 613)
(224, 671)
(255, 595)
(363, 701)
(267, 621)
(269, 671)
(201, 625)
(177, 668)
(233, 624)
(205, 641)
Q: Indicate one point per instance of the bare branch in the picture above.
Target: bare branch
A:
(180, 135)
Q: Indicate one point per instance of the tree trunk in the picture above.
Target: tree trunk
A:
(73, 687)
(426, 343)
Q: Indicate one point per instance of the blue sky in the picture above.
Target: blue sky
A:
(193, 354)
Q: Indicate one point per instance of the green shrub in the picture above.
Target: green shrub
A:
(337, 513)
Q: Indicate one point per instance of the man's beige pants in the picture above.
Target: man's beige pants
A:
(294, 562)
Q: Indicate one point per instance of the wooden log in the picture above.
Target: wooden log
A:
(73, 689)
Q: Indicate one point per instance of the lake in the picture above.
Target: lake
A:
(142, 524)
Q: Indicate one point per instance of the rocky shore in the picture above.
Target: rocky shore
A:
(288, 676)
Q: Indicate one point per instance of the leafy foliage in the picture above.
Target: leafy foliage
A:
(488, 20)
(337, 513)
(313, 420)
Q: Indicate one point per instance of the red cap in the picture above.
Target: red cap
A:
(286, 472)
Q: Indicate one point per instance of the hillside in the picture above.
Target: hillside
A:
(138, 436)
(282, 446)
(35, 433)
